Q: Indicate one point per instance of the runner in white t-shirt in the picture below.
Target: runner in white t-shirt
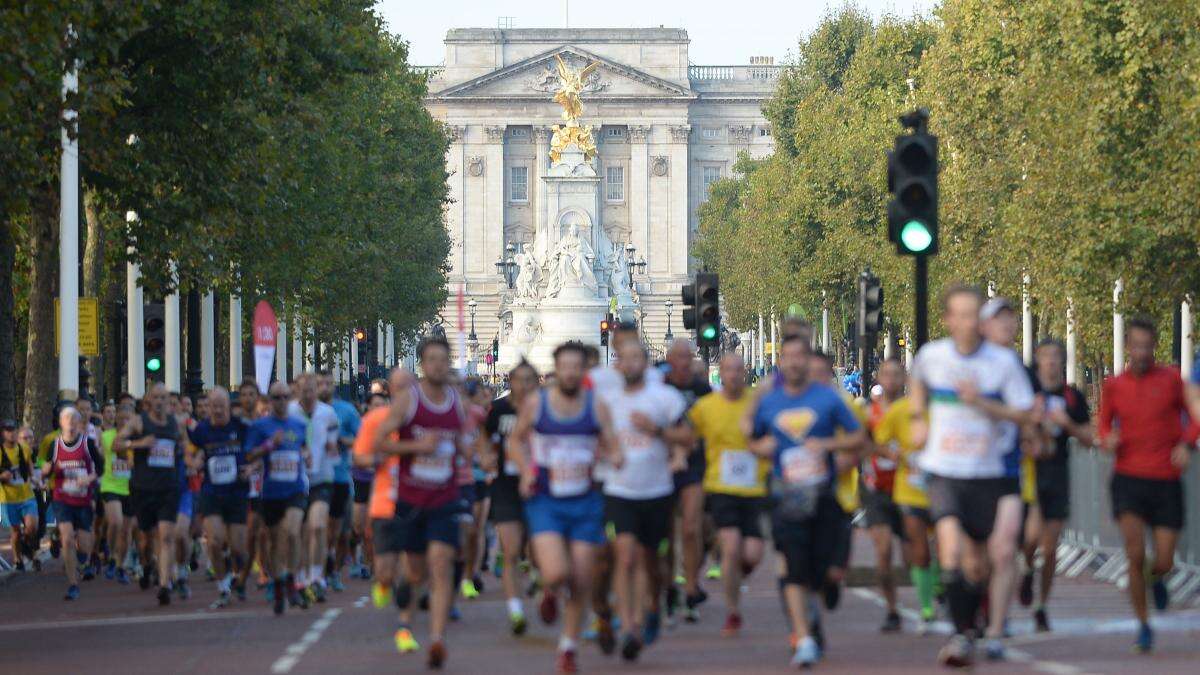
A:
(648, 420)
(970, 388)
(322, 437)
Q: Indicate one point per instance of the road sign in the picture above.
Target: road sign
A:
(89, 327)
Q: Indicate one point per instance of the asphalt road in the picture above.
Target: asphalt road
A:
(120, 629)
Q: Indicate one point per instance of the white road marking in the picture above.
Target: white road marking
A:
(291, 655)
(361, 602)
(125, 620)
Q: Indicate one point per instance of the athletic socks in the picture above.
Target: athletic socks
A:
(515, 608)
(922, 580)
(963, 599)
(566, 644)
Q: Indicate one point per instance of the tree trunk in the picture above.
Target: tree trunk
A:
(93, 270)
(41, 365)
(8, 380)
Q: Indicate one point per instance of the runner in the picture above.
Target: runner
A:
(71, 463)
(221, 454)
(679, 373)
(969, 387)
(555, 445)
(655, 438)
(894, 442)
(735, 482)
(339, 534)
(279, 441)
(363, 537)
(1064, 415)
(881, 514)
(795, 426)
(1141, 422)
(507, 509)
(154, 440)
(414, 498)
(114, 493)
(322, 443)
(16, 494)
(258, 547)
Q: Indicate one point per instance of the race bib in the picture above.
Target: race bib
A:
(121, 469)
(162, 454)
(916, 477)
(222, 469)
(803, 467)
(739, 469)
(284, 467)
(967, 441)
(75, 482)
(437, 467)
(570, 471)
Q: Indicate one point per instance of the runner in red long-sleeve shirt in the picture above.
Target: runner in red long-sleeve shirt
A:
(1143, 421)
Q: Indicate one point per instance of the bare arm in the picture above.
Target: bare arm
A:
(385, 444)
(517, 450)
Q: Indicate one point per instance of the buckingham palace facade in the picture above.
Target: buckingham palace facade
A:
(664, 130)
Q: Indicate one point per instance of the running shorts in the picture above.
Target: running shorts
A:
(321, 492)
(339, 501)
(879, 509)
(411, 529)
(694, 473)
(573, 518)
(648, 520)
(273, 510)
(232, 509)
(362, 491)
(126, 502)
(744, 513)
(810, 547)
(507, 505)
(155, 506)
(80, 517)
(971, 500)
(187, 504)
(1054, 491)
(1158, 502)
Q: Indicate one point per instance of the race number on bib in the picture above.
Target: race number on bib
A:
(570, 471)
(121, 469)
(437, 467)
(75, 482)
(803, 467)
(222, 469)
(966, 442)
(916, 477)
(162, 454)
(739, 469)
(284, 467)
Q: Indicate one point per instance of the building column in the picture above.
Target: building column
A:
(68, 249)
(638, 192)
(676, 222)
(310, 349)
(491, 242)
(1185, 338)
(390, 352)
(824, 324)
(1072, 369)
(208, 347)
(297, 349)
(1026, 323)
(135, 345)
(281, 352)
(908, 351)
(760, 336)
(456, 209)
(537, 169)
(353, 359)
(235, 341)
(172, 376)
(1118, 329)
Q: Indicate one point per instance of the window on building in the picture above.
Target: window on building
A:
(764, 131)
(711, 133)
(518, 184)
(708, 175)
(615, 132)
(615, 183)
(518, 132)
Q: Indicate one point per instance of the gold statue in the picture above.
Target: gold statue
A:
(571, 83)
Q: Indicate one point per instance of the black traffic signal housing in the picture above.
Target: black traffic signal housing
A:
(495, 350)
(870, 309)
(605, 327)
(154, 340)
(702, 308)
(912, 212)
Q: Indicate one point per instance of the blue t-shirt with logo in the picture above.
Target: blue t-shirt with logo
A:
(348, 424)
(816, 412)
(284, 473)
(224, 456)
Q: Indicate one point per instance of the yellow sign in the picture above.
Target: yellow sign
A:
(89, 327)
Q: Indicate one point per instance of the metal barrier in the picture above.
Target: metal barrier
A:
(1092, 544)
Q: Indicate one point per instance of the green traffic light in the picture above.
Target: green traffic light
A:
(708, 332)
(915, 236)
(153, 365)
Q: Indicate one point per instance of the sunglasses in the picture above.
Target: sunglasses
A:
(278, 397)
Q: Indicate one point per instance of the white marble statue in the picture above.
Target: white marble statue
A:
(618, 276)
(528, 275)
(571, 264)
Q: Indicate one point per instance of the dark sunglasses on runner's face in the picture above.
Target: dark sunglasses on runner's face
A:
(278, 397)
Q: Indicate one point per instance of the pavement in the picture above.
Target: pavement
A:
(118, 629)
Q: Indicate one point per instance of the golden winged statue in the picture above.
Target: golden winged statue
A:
(570, 85)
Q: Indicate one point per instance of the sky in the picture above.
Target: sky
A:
(721, 33)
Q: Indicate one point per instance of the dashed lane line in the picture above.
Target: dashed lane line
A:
(291, 656)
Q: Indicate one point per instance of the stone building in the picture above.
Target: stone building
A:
(664, 130)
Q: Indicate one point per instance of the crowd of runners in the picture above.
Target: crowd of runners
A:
(607, 492)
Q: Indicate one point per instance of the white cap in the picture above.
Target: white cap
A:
(876, 390)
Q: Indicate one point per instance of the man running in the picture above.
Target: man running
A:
(363, 537)
(279, 441)
(508, 512)
(16, 496)
(1064, 415)
(735, 482)
(1141, 422)
(348, 423)
(224, 503)
(655, 438)
(114, 494)
(882, 516)
(970, 387)
(555, 445)
(155, 440)
(322, 443)
(71, 464)
(414, 500)
(796, 426)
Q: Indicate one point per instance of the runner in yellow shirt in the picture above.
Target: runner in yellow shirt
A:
(17, 505)
(114, 493)
(735, 482)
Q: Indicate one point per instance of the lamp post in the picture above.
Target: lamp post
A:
(507, 266)
(640, 265)
(670, 307)
(471, 305)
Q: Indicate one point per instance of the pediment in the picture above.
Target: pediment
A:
(536, 78)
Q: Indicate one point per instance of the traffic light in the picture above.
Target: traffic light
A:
(870, 308)
(496, 349)
(912, 180)
(702, 308)
(155, 339)
(360, 334)
(605, 326)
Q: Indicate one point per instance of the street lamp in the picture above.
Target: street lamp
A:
(670, 307)
(471, 305)
(507, 266)
(640, 265)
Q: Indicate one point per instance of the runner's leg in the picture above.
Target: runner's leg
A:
(583, 556)
(625, 569)
(691, 509)
(441, 587)
(1051, 532)
(731, 566)
(215, 532)
(1002, 550)
(881, 537)
(66, 535)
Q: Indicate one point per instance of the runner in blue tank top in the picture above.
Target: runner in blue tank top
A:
(559, 432)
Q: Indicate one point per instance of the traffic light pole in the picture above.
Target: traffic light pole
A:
(921, 311)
